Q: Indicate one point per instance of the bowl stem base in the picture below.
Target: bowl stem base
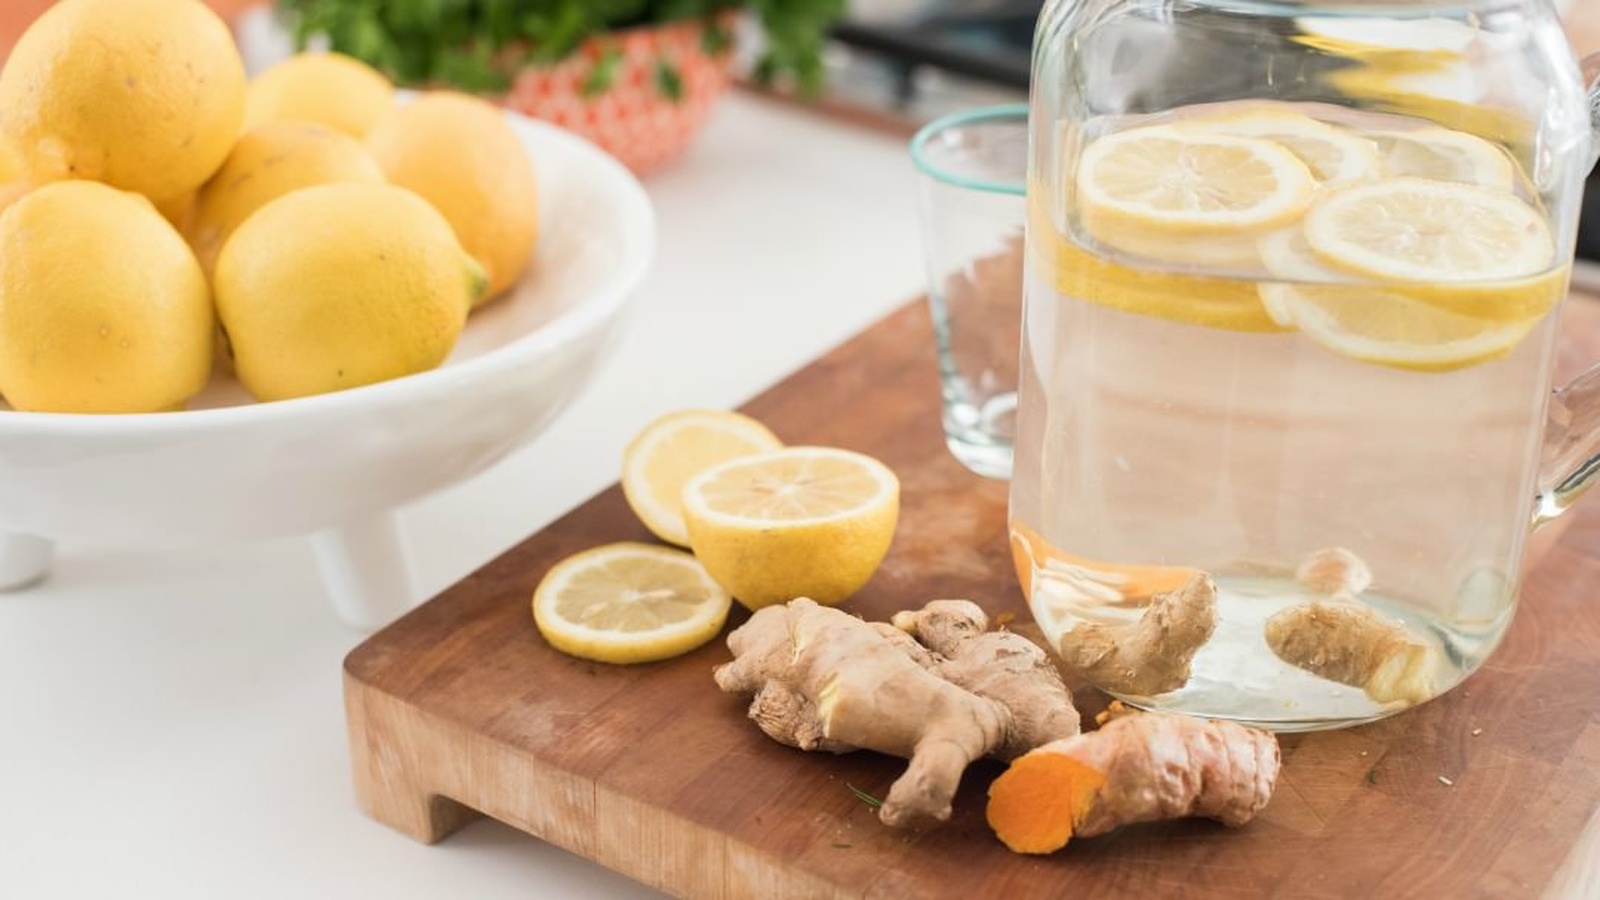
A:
(367, 570)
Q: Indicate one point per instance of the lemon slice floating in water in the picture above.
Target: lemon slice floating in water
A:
(1172, 179)
(1423, 231)
(1334, 155)
(1442, 154)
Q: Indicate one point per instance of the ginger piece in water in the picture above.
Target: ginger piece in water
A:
(1150, 656)
(1352, 644)
(1334, 571)
(823, 679)
(1138, 767)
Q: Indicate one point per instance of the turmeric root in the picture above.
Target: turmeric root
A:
(1139, 767)
(825, 680)
(1352, 644)
(1150, 656)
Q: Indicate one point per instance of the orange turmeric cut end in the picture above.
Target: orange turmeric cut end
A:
(1029, 549)
(1035, 805)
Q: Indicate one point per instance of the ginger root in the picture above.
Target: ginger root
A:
(1150, 656)
(1352, 644)
(1138, 767)
(1334, 571)
(822, 679)
(1001, 666)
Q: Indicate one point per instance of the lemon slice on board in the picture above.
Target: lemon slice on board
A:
(799, 522)
(1429, 232)
(670, 450)
(629, 603)
(1170, 179)
(1334, 155)
(1443, 154)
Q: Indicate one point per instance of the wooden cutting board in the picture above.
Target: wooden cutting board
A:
(460, 708)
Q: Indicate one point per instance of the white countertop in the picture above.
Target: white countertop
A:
(171, 723)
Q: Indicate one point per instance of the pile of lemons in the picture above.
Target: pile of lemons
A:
(162, 216)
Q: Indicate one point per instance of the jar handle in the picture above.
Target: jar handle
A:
(1590, 66)
(1572, 427)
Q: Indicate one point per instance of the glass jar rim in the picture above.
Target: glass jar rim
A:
(919, 147)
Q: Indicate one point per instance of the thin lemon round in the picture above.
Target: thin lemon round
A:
(1443, 154)
(1223, 303)
(798, 522)
(1392, 329)
(674, 448)
(1170, 179)
(1334, 155)
(629, 603)
(1429, 232)
(1288, 257)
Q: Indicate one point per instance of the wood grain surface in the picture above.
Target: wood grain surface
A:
(460, 708)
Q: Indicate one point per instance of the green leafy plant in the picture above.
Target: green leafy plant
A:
(480, 45)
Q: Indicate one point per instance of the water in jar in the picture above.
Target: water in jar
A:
(1300, 350)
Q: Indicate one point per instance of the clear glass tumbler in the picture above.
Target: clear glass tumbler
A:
(973, 166)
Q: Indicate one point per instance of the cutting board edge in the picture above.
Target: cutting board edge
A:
(586, 818)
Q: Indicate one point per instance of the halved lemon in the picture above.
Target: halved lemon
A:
(798, 522)
(1429, 232)
(1443, 154)
(1170, 179)
(1334, 155)
(629, 603)
(1394, 329)
(669, 451)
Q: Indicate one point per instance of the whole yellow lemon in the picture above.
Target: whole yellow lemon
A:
(341, 285)
(10, 169)
(267, 163)
(329, 88)
(144, 95)
(459, 153)
(103, 309)
(11, 192)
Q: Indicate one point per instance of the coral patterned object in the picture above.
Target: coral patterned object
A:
(635, 118)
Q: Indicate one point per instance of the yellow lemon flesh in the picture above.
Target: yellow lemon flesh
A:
(1436, 275)
(629, 603)
(103, 309)
(1334, 155)
(341, 285)
(459, 153)
(674, 448)
(267, 163)
(1224, 303)
(1164, 180)
(329, 88)
(144, 95)
(798, 522)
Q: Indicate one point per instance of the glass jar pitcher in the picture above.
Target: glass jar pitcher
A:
(1293, 279)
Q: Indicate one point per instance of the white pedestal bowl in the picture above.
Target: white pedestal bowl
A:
(335, 466)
